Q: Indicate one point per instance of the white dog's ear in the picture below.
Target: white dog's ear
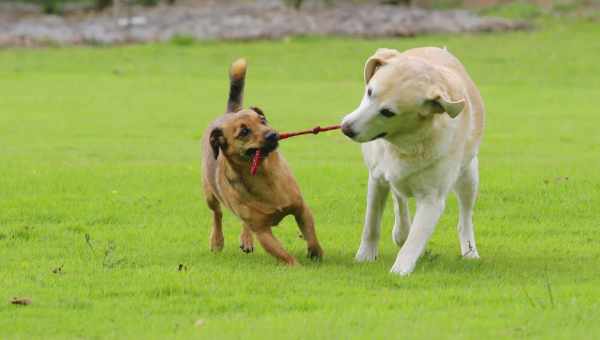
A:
(377, 60)
(440, 102)
(446, 96)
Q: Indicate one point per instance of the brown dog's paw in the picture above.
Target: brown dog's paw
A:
(291, 262)
(247, 248)
(216, 244)
(246, 242)
(315, 253)
(216, 248)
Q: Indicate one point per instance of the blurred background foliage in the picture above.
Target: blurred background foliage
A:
(515, 9)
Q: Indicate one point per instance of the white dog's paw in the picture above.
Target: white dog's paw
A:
(403, 267)
(401, 270)
(471, 255)
(469, 251)
(366, 253)
(399, 236)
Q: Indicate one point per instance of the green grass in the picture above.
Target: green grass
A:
(514, 10)
(99, 175)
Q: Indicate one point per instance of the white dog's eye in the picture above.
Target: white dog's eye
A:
(386, 113)
(369, 92)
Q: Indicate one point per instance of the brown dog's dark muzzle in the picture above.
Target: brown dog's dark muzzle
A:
(271, 142)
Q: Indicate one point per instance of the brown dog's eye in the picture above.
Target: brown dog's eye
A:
(263, 120)
(244, 131)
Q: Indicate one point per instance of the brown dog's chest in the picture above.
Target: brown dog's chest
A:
(262, 200)
(258, 212)
(259, 215)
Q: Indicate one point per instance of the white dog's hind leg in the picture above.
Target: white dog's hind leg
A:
(428, 213)
(376, 196)
(402, 219)
(466, 188)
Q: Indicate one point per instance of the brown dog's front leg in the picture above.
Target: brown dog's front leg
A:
(273, 246)
(306, 224)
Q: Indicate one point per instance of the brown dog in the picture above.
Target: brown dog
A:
(260, 201)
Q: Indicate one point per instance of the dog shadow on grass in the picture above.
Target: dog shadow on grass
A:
(495, 264)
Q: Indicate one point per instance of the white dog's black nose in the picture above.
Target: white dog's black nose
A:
(347, 130)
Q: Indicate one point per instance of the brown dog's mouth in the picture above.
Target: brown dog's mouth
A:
(251, 152)
(265, 150)
(259, 155)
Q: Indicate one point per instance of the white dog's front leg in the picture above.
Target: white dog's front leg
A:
(428, 213)
(376, 196)
(402, 219)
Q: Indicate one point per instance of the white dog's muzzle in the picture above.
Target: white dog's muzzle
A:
(363, 125)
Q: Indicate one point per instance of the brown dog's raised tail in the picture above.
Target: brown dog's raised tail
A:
(237, 75)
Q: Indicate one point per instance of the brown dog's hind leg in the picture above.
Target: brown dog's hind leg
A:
(246, 240)
(273, 247)
(306, 224)
(217, 241)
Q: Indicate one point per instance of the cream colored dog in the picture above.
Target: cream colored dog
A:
(421, 121)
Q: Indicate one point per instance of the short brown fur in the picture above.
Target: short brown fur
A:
(260, 201)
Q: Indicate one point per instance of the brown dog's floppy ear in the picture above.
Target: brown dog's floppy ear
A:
(217, 141)
(257, 110)
(377, 60)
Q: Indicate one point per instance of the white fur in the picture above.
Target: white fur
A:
(424, 158)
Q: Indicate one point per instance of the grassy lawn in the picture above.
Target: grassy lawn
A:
(103, 226)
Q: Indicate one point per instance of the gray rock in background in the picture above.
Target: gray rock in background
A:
(261, 20)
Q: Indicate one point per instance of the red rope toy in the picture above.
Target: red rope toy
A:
(258, 156)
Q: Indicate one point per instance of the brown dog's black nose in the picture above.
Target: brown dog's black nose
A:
(347, 130)
(272, 137)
